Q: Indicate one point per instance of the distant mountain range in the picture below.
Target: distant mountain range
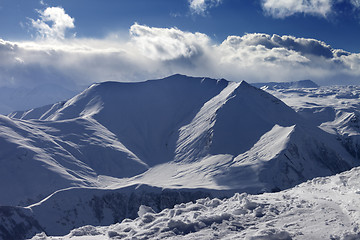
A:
(286, 85)
(12, 99)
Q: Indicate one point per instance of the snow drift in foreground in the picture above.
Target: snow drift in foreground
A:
(323, 208)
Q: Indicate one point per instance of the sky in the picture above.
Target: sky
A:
(72, 44)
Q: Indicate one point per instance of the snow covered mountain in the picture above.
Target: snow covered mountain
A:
(192, 136)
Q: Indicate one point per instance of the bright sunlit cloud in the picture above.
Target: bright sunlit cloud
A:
(53, 23)
(167, 43)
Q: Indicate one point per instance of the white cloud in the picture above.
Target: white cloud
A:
(303, 46)
(201, 6)
(167, 43)
(355, 3)
(158, 52)
(53, 23)
(322, 8)
(285, 8)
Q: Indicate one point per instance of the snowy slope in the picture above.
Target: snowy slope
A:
(334, 108)
(38, 158)
(323, 208)
(282, 158)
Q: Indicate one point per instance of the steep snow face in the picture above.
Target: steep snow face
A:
(323, 208)
(247, 116)
(196, 137)
(231, 123)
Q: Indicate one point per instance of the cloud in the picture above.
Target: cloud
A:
(167, 43)
(263, 57)
(150, 53)
(200, 6)
(53, 23)
(285, 8)
(355, 3)
(321, 8)
(303, 46)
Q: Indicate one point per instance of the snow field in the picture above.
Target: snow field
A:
(322, 208)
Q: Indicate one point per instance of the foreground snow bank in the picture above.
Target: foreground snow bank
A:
(323, 208)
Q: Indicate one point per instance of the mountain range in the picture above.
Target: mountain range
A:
(159, 142)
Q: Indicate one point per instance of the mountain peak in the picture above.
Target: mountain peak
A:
(244, 84)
